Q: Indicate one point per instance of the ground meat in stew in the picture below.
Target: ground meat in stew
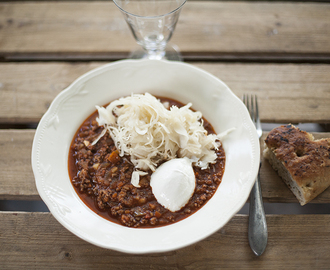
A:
(102, 179)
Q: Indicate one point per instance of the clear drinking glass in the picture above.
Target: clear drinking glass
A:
(152, 23)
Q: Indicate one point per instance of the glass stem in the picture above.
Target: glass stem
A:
(156, 54)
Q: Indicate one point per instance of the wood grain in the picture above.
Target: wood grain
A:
(210, 27)
(287, 93)
(16, 176)
(28, 89)
(38, 241)
(17, 181)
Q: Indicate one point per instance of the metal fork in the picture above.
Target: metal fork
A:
(257, 233)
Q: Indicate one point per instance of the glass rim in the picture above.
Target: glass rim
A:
(150, 17)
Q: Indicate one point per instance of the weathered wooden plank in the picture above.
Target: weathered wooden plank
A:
(17, 180)
(28, 89)
(38, 241)
(204, 27)
(16, 176)
(287, 92)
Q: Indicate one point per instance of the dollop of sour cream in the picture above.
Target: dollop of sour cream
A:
(173, 183)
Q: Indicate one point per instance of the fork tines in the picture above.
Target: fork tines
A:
(251, 103)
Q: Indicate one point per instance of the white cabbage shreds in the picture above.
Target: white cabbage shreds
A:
(144, 129)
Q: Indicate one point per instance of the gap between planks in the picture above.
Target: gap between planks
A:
(234, 57)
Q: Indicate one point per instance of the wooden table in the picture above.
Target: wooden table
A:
(277, 50)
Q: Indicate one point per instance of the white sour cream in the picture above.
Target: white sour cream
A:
(173, 183)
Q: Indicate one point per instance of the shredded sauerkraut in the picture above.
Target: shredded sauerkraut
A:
(143, 128)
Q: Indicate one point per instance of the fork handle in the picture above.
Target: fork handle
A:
(258, 233)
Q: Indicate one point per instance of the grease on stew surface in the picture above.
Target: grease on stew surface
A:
(102, 179)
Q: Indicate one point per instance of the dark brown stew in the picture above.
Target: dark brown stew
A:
(102, 179)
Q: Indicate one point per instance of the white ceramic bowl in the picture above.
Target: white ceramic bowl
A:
(177, 80)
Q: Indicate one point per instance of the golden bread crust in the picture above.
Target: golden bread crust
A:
(305, 159)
